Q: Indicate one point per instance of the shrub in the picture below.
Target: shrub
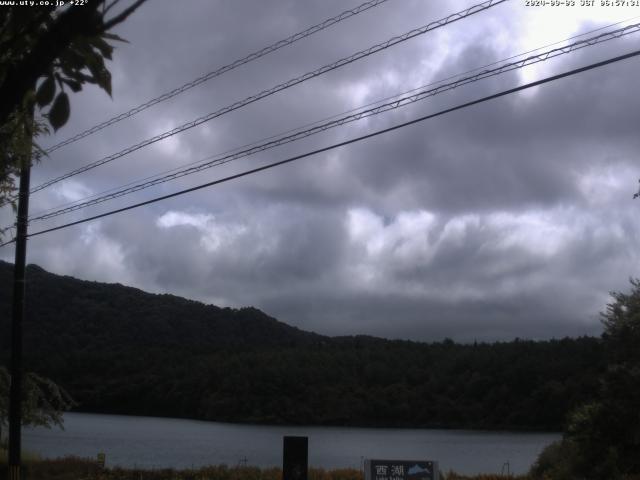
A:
(557, 462)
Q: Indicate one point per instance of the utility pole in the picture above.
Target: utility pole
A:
(17, 319)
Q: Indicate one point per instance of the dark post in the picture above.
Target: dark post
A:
(15, 393)
(295, 455)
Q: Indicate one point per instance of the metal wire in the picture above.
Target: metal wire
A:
(317, 122)
(401, 102)
(290, 83)
(346, 142)
(226, 68)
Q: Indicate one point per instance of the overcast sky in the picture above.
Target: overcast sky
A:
(513, 218)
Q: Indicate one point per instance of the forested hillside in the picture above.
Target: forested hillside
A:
(120, 350)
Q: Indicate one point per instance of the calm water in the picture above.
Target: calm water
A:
(160, 442)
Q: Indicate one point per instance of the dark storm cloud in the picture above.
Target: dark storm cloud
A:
(514, 151)
(510, 218)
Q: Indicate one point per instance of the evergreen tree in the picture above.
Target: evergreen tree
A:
(602, 439)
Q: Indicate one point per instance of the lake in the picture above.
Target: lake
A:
(149, 442)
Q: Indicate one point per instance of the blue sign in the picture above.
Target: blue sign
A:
(401, 470)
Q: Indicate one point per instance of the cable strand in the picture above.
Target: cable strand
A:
(224, 69)
(317, 122)
(347, 142)
(401, 102)
(265, 93)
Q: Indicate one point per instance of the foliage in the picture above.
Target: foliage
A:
(602, 438)
(43, 401)
(18, 145)
(56, 49)
(555, 462)
(622, 327)
(120, 350)
(607, 431)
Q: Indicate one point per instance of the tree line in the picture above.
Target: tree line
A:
(117, 349)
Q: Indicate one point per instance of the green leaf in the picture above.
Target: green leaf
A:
(113, 36)
(95, 64)
(46, 92)
(59, 113)
(79, 77)
(106, 81)
(73, 84)
(38, 151)
(105, 49)
(72, 59)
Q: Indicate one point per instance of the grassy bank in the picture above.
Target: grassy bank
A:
(73, 468)
(27, 457)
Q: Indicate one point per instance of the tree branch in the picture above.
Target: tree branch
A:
(106, 7)
(21, 77)
(122, 16)
(74, 22)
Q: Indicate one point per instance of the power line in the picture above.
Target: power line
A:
(317, 122)
(226, 68)
(347, 142)
(290, 83)
(401, 102)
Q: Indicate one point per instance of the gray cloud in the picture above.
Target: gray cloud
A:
(509, 219)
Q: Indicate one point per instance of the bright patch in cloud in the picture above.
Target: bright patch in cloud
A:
(418, 241)
(71, 190)
(542, 26)
(214, 235)
(538, 233)
(104, 259)
(405, 237)
(601, 184)
(175, 219)
(356, 93)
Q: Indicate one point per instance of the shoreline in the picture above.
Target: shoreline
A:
(253, 423)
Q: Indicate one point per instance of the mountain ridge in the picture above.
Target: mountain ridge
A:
(199, 323)
(118, 349)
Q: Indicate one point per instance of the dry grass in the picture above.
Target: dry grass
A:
(74, 468)
(28, 457)
(455, 476)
